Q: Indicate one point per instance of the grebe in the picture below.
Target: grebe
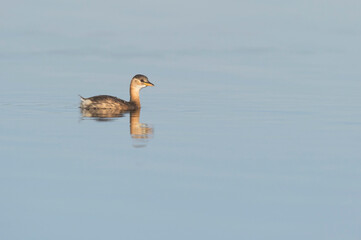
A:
(138, 82)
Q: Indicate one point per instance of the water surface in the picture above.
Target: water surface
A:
(252, 131)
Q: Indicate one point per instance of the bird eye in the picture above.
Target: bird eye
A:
(142, 80)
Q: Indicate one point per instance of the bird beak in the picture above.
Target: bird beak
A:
(149, 84)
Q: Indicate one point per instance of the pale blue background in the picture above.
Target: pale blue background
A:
(256, 115)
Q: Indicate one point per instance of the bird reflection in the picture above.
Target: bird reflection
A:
(140, 132)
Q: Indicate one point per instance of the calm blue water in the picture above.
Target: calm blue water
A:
(252, 131)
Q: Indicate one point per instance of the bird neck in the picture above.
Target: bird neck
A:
(134, 96)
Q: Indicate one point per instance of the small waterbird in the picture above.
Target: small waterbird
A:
(138, 82)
